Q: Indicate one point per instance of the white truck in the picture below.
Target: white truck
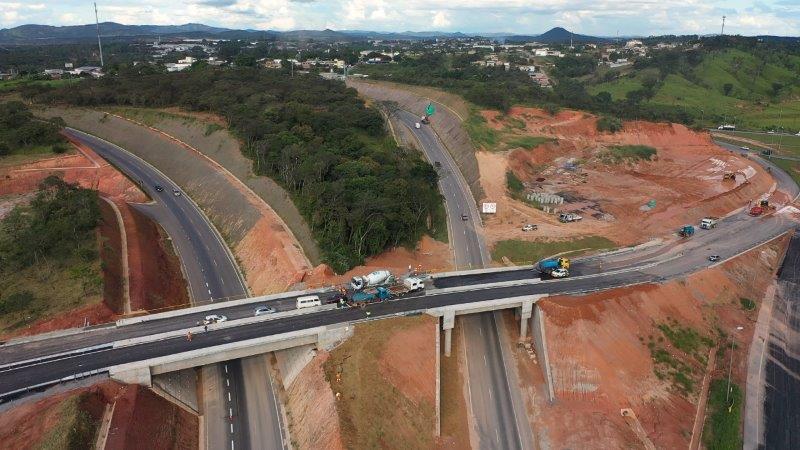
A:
(727, 127)
(371, 279)
(708, 223)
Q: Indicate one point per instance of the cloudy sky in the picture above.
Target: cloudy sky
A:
(596, 17)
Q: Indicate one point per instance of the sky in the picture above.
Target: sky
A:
(592, 17)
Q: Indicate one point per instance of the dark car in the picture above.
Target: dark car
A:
(159, 188)
(464, 217)
(437, 164)
(713, 258)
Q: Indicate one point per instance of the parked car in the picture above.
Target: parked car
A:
(261, 310)
(159, 188)
(713, 258)
(214, 318)
(529, 227)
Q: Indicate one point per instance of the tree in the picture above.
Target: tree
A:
(776, 88)
(4, 149)
(727, 88)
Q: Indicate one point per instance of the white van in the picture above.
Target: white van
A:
(308, 301)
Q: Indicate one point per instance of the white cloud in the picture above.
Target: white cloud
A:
(440, 20)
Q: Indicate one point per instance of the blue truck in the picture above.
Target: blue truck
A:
(686, 231)
(555, 267)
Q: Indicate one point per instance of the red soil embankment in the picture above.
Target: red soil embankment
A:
(111, 255)
(602, 346)
(156, 280)
(141, 419)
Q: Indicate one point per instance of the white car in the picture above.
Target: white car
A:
(529, 227)
(214, 318)
(798, 133)
(559, 273)
(261, 310)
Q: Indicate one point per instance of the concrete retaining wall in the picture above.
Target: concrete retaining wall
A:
(540, 343)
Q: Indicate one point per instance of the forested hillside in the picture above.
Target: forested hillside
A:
(20, 132)
(358, 190)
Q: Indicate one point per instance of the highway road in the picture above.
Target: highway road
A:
(495, 406)
(212, 276)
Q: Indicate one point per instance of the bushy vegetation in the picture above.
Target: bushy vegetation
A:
(621, 153)
(679, 367)
(20, 131)
(722, 430)
(747, 304)
(49, 260)
(57, 225)
(609, 124)
(513, 183)
(359, 192)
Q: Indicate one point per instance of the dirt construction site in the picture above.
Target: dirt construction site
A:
(626, 199)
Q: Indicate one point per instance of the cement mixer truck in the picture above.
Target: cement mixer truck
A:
(375, 278)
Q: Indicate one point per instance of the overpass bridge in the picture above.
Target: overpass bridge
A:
(134, 349)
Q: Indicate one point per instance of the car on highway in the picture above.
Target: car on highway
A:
(798, 133)
(437, 164)
(714, 258)
(176, 192)
(261, 310)
(746, 148)
(559, 273)
(159, 188)
(464, 217)
(770, 132)
(213, 318)
(529, 227)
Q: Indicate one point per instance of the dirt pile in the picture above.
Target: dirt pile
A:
(644, 348)
(628, 199)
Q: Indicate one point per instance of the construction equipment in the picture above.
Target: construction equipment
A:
(547, 266)
(686, 231)
(371, 279)
(380, 293)
(568, 217)
(756, 211)
(708, 223)
(425, 120)
(732, 176)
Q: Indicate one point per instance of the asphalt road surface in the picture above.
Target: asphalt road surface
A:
(781, 408)
(212, 276)
(498, 425)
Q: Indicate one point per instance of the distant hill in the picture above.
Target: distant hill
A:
(32, 34)
(46, 34)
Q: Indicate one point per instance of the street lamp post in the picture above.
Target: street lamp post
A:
(730, 365)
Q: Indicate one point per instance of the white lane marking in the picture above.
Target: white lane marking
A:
(230, 412)
(215, 262)
(497, 435)
(232, 444)
(484, 362)
(480, 330)
(229, 396)
(231, 430)
(490, 394)
(226, 368)
(209, 292)
(206, 283)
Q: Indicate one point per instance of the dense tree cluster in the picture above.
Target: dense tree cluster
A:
(56, 226)
(18, 128)
(359, 192)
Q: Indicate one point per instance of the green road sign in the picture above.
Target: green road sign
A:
(430, 110)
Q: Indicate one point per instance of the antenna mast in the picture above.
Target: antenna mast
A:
(99, 44)
(722, 33)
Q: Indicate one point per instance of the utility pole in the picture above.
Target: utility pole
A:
(722, 33)
(99, 44)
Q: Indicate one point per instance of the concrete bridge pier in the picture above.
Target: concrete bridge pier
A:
(448, 322)
(525, 314)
